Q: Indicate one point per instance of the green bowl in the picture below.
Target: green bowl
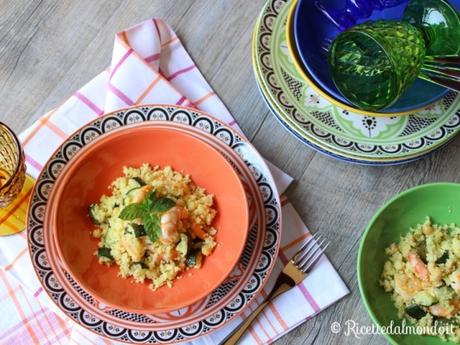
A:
(441, 202)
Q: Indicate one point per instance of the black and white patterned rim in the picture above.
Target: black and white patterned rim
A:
(227, 292)
(119, 119)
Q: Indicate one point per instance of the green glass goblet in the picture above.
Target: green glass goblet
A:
(372, 64)
(440, 24)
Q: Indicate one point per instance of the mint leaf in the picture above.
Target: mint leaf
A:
(132, 211)
(152, 226)
(148, 202)
(152, 196)
(149, 210)
(163, 204)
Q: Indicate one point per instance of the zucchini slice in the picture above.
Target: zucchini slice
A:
(183, 247)
(421, 252)
(194, 259)
(139, 181)
(197, 244)
(415, 311)
(104, 252)
(138, 229)
(424, 298)
(132, 191)
(443, 258)
(143, 265)
(92, 214)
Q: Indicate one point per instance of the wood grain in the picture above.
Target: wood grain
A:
(49, 48)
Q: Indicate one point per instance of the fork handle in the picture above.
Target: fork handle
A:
(235, 336)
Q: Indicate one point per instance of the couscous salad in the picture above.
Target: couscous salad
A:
(155, 224)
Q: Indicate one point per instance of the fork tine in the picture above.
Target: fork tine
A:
(315, 259)
(303, 249)
(307, 251)
(310, 263)
(305, 245)
(311, 253)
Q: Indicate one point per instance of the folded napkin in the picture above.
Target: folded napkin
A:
(149, 65)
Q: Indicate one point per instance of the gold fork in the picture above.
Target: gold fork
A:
(293, 273)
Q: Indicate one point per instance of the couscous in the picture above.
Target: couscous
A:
(154, 225)
(423, 275)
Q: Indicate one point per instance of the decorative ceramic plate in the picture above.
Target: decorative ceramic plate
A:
(338, 156)
(226, 302)
(185, 316)
(335, 130)
(328, 152)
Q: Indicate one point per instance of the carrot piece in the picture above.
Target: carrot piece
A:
(198, 231)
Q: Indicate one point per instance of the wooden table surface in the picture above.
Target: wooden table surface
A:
(49, 48)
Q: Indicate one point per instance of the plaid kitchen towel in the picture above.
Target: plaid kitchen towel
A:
(149, 65)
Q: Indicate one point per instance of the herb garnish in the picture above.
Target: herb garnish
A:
(149, 211)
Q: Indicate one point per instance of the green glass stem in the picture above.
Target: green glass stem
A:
(449, 83)
(453, 74)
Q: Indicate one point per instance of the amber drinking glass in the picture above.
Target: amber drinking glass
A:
(12, 166)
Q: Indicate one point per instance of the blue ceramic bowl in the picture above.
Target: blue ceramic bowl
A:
(312, 29)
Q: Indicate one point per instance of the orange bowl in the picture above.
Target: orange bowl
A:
(87, 177)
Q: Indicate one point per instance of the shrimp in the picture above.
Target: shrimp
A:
(407, 287)
(142, 192)
(446, 312)
(418, 266)
(168, 224)
(455, 281)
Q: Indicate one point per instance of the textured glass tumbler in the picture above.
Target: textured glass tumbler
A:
(372, 64)
(12, 166)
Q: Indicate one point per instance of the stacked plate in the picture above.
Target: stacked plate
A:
(335, 130)
(220, 306)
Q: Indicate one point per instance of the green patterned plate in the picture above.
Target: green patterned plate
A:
(330, 152)
(334, 129)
